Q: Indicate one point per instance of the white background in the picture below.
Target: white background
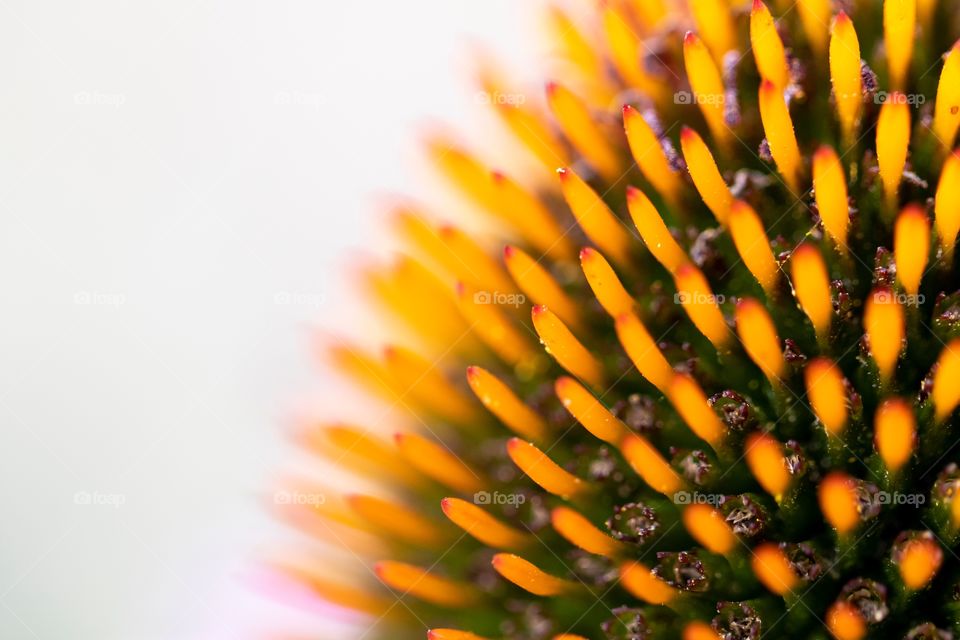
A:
(170, 172)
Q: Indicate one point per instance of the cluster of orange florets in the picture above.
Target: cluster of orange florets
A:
(733, 416)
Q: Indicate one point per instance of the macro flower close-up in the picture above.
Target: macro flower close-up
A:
(695, 374)
(501, 320)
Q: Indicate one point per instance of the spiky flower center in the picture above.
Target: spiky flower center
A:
(739, 420)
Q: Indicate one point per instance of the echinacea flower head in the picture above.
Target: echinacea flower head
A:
(702, 383)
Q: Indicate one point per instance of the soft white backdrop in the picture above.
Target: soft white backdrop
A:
(181, 184)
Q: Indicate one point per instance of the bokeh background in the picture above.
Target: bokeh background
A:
(182, 185)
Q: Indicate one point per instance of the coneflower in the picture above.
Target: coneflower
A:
(705, 387)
